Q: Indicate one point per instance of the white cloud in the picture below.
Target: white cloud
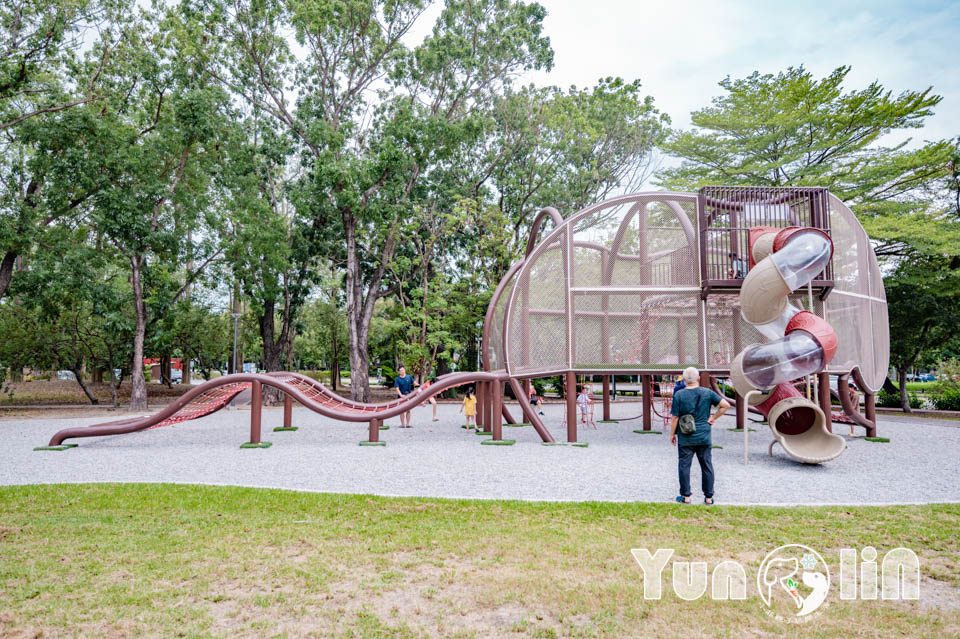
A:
(681, 49)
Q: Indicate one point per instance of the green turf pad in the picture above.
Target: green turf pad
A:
(648, 432)
(260, 445)
(384, 427)
(366, 443)
(740, 430)
(577, 444)
(502, 442)
(518, 425)
(881, 440)
(283, 429)
(484, 432)
(715, 446)
(609, 421)
(60, 447)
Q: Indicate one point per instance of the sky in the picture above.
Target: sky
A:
(681, 49)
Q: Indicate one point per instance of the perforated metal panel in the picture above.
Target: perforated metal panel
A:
(633, 300)
(618, 287)
(857, 307)
(537, 339)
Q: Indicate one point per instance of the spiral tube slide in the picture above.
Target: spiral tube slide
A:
(802, 342)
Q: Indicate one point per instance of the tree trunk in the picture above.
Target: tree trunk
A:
(138, 383)
(359, 368)
(186, 371)
(6, 271)
(889, 386)
(113, 392)
(335, 366)
(360, 308)
(272, 351)
(359, 384)
(166, 373)
(78, 373)
(904, 398)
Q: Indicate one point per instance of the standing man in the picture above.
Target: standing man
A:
(696, 401)
(404, 385)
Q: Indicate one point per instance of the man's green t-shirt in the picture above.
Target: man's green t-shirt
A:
(697, 402)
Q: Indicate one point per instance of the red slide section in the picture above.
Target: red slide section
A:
(213, 395)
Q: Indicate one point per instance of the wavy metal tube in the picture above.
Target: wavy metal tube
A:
(355, 414)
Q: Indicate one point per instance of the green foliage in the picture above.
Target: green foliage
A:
(948, 374)
(949, 399)
(892, 400)
(923, 295)
(793, 129)
(540, 386)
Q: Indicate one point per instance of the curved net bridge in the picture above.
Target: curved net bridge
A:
(644, 284)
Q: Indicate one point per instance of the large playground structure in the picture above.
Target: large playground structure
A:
(762, 285)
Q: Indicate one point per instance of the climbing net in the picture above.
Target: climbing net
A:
(209, 401)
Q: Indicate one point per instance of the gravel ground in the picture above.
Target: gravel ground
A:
(439, 459)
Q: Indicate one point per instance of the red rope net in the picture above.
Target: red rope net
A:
(205, 403)
(216, 398)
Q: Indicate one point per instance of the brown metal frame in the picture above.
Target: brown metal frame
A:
(710, 201)
(359, 413)
(813, 204)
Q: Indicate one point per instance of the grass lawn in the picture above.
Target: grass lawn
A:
(162, 560)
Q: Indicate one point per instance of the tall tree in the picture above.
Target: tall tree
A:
(44, 82)
(265, 247)
(923, 294)
(165, 118)
(792, 129)
(372, 116)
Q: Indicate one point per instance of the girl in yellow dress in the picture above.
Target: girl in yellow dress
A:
(469, 407)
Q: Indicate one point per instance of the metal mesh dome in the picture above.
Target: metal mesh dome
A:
(619, 286)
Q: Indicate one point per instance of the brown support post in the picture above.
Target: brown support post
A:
(481, 407)
(606, 398)
(647, 382)
(496, 412)
(287, 411)
(824, 389)
(741, 412)
(256, 406)
(704, 379)
(870, 408)
(374, 431)
(487, 401)
(571, 406)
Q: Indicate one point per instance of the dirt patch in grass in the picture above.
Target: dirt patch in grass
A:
(53, 392)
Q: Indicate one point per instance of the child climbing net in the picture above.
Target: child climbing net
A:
(584, 391)
(585, 402)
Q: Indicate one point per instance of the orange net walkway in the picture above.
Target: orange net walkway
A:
(208, 402)
(216, 398)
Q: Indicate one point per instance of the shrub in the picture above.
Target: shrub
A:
(892, 400)
(948, 373)
(388, 375)
(539, 385)
(888, 400)
(321, 376)
(556, 384)
(947, 400)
